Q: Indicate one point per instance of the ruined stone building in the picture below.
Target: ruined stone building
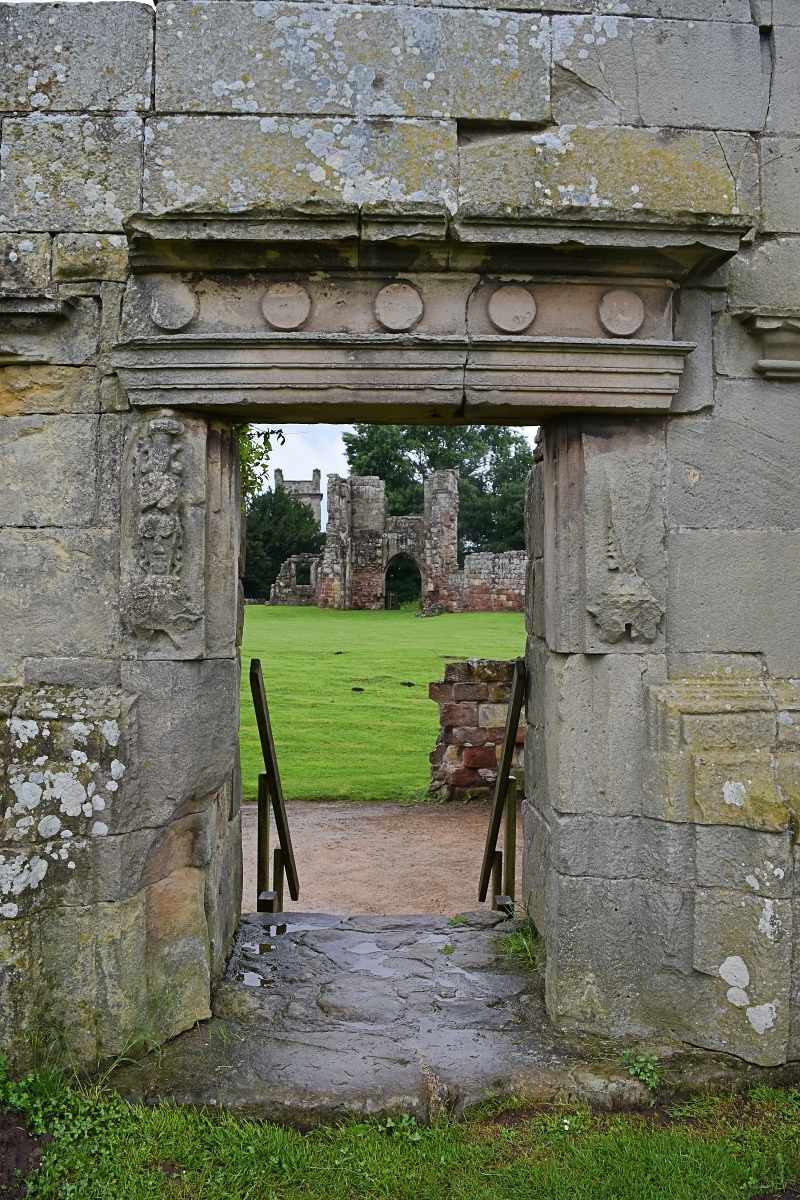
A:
(363, 541)
(305, 490)
(578, 215)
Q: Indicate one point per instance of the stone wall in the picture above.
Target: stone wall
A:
(305, 490)
(286, 589)
(362, 541)
(473, 709)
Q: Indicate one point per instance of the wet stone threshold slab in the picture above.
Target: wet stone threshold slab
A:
(371, 1015)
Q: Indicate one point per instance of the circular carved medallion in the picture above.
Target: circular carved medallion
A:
(621, 312)
(286, 305)
(173, 305)
(398, 306)
(512, 308)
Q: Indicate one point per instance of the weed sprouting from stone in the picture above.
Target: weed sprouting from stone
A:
(643, 1066)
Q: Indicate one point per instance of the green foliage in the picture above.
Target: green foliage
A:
(524, 947)
(458, 921)
(404, 579)
(370, 745)
(448, 949)
(493, 463)
(712, 1148)
(278, 525)
(644, 1067)
(255, 447)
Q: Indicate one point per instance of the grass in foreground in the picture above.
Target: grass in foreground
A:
(706, 1149)
(337, 743)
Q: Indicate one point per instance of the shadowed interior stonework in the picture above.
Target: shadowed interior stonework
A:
(430, 213)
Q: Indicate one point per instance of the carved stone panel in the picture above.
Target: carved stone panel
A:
(163, 537)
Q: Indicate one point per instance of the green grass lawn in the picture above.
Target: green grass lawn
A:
(725, 1148)
(334, 743)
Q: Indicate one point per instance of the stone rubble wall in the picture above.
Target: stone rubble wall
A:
(287, 591)
(473, 709)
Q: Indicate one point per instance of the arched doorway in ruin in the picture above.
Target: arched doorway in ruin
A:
(402, 582)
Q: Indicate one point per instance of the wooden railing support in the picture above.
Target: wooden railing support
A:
(269, 789)
(505, 799)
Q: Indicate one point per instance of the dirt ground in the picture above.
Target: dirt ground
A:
(379, 858)
(18, 1152)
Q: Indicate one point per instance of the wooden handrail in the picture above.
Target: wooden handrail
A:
(515, 702)
(273, 781)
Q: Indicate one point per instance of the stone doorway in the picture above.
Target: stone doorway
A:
(403, 582)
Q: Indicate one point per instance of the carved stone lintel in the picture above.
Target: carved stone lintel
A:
(780, 344)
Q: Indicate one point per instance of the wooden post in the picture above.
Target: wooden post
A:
(277, 878)
(510, 840)
(262, 860)
(497, 876)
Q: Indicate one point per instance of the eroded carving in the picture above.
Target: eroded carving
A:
(286, 305)
(173, 306)
(157, 601)
(511, 308)
(398, 307)
(621, 312)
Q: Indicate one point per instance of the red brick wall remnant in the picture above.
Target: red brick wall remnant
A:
(473, 706)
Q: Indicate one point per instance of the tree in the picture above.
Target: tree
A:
(278, 525)
(493, 463)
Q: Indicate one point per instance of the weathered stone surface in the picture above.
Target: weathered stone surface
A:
(744, 943)
(734, 591)
(24, 262)
(622, 848)
(65, 493)
(696, 75)
(64, 172)
(90, 256)
(736, 469)
(744, 858)
(174, 776)
(784, 107)
(784, 12)
(635, 173)
(233, 164)
(780, 172)
(69, 339)
(693, 324)
(69, 56)
(763, 279)
(26, 390)
(58, 594)
(73, 672)
(392, 61)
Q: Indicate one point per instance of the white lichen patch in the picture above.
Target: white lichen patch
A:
(769, 923)
(734, 971)
(762, 1017)
(734, 792)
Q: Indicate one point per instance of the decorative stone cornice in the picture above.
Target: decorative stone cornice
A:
(780, 343)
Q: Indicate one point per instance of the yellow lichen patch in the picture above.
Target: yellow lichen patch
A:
(739, 789)
(28, 390)
(642, 173)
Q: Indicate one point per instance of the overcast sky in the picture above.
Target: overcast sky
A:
(310, 446)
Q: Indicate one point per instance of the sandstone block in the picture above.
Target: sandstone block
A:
(482, 756)
(73, 672)
(339, 59)
(458, 714)
(90, 256)
(734, 590)
(36, 388)
(744, 859)
(176, 776)
(764, 278)
(65, 172)
(736, 351)
(70, 341)
(712, 483)
(784, 12)
(492, 715)
(622, 848)
(784, 108)
(233, 164)
(637, 173)
(177, 956)
(693, 324)
(24, 262)
(695, 75)
(469, 737)
(464, 777)
(470, 691)
(64, 493)
(780, 171)
(441, 692)
(59, 594)
(69, 56)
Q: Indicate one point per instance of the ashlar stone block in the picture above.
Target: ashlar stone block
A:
(780, 172)
(70, 172)
(24, 262)
(736, 467)
(735, 590)
(696, 74)
(737, 858)
(90, 256)
(784, 107)
(236, 164)
(365, 61)
(64, 493)
(635, 173)
(66, 57)
(765, 278)
(59, 594)
(37, 388)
